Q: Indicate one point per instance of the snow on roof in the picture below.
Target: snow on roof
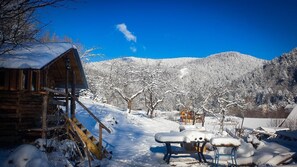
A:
(293, 114)
(33, 56)
(273, 129)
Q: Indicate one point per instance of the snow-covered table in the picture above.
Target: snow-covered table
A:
(225, 142)
(191, 127)
(194, 137)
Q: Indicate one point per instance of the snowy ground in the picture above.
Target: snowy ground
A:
(132, 139)
(133, 144)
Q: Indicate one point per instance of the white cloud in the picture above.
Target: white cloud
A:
(128, 35)
(133, 49)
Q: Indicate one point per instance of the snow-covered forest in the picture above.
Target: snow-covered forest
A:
(180, 82)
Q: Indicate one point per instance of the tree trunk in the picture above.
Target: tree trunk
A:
(129, 102)
(152, 111)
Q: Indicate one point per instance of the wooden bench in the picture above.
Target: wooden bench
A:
(225, 142)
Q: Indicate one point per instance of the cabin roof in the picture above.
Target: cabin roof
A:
(33, 56)
(39, 56)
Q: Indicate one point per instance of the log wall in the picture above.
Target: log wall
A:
(18, 111)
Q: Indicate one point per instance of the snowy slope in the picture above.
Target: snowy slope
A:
(132, 140)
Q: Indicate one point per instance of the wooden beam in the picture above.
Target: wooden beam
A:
(100, 138)
(54, 91)
(57, 102)
(29, 80)
(6, 87)
(44, 113)
(20, 80)
(73, 94)
(67, 67)
(45, 78)
(37, 84)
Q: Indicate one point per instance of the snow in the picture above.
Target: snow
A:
(170, 137)
(225, 141)
(183, 72)
(186, 136)
(26, 156)
(33, 56)
(245, 149)
(132, 141)
(290, 121)
(279, 158)
(191, 127)
(253, 123)
(171, 62)
(293, 114)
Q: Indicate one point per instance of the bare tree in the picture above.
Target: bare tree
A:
(151, 102)
(224, 99)
(153, 82)
(130, 99)
(18, 23)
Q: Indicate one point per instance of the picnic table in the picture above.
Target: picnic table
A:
(197, 139)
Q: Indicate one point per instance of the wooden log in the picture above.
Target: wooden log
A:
(44, 112)
(67, 86)
(100, 139)
(73, 93)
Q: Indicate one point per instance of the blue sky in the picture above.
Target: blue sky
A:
(177, 28)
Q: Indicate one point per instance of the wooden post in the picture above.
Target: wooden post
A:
(44, 114)
(67, 65)
(29, 80)
(73, 94)
(37, 84)
(100, 140)
(45, 78)
(20, 80)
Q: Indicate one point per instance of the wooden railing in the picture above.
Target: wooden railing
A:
(73, 97)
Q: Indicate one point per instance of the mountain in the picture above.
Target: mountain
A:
(180, 81)
(272, 86)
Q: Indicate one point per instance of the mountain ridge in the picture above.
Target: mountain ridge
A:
(183, 77)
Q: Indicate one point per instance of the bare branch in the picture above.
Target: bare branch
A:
(136, 94)
(121, 94)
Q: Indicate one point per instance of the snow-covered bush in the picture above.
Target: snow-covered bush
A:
(26, 156)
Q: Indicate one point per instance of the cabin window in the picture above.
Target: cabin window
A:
(30, 80)
(2, 79)
(25, 80)
(34, 81)
(13, 80)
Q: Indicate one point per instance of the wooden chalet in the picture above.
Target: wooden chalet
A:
(39, 85)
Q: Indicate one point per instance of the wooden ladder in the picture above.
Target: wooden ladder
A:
(93, 145)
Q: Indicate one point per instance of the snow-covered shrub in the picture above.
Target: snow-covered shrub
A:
(60, 153)
(47, 145)
(69, 149)
(245, 150)
(253, 140)
(26, 156)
